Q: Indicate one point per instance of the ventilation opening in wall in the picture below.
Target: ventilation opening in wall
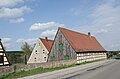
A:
(45, 59)
(35, 58)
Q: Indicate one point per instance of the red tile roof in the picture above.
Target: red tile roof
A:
(47, 43)
(81, 42)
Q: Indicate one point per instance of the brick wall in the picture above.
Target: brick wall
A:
(10, 69)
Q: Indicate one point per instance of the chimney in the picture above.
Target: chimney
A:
(89, 34)
(46, 38)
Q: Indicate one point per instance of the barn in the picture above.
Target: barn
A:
(70, 44)
(3, 58)
(40, 51)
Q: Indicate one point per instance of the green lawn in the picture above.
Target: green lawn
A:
(18, 64)
(38, 71)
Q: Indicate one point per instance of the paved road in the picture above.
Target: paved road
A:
(108, 71)
(88, 71)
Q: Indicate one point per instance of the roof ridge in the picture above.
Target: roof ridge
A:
(44, 39)
(74, 31)
(47, 43)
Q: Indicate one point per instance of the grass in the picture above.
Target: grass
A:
(23, 73)
(18, 64)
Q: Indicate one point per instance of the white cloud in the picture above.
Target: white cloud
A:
(106, 25)
(19, 20)
(7, 42)
(13, 12)
(7, 3)
(100, 31)
(76, 11)
(29, 40)
(48, 33)
(44, 26)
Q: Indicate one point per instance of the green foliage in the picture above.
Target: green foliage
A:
(27, 49)
(14, 52)
(15, 57)
(52, 58)
(61, 47)
(109, 56)
(113, 54)
(66, 57)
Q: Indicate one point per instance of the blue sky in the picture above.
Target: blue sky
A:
(27, 20)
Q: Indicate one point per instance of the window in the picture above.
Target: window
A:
(35, 50)
(45, 59)
(43, 50)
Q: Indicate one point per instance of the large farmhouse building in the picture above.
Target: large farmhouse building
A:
(3, 59)
(40, 51)
(69, 44)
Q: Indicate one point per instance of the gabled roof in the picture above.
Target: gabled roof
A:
(47, 43)
(81, 42)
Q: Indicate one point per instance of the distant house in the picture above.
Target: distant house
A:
(3, 59)
(40, 51)
(69, 44)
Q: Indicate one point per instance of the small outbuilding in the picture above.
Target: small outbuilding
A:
(40, 51)
(70, 44)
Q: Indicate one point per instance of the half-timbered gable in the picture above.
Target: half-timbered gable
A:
(3, 59)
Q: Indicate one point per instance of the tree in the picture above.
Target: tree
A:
(27, 49)
(15, 57)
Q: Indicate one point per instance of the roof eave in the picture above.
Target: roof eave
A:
(91, 51)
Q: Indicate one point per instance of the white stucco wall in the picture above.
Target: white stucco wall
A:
(39, 53)
(82, 57)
